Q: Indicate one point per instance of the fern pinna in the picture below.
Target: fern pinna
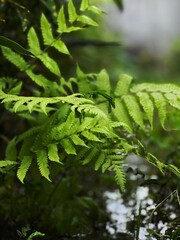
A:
(95, 123)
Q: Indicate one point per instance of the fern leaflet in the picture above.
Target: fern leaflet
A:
(24, 166)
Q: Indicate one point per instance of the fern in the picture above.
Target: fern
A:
(42, 161)
(120, 176)
(83, 118)
(24, 166)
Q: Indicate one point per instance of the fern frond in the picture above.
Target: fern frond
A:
(86, 20)
(161, 105)
(42, 160)
(120, 176)
(134, 109)
(49, 63)
(147, 106)
(15, 58)
(173, 100)
(89, 156)
(53, 153)
(123, 85)
(100, 160)
(77, 140)
(46, 31)
(72, 12)
(153, 87)
(66, 128)
(5, 163)
(88, 123)
(82, 153)
(92, 110)
(48, 35)
(122, 115)
(42, 102)
(68, 146)
(60, 46)
(61, 21)
(103, 81)
(106, 165)
(86, 6)
(24, 167)
(40, 80)
(90, 136)
(33, 42)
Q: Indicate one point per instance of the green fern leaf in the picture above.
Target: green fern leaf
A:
(173, 100)
(122, 115)
(90, 136)
(84, 5)
(72, 12)
(46, 31)
(53, 153)
(40, 80)
(43, 105)
(61, 21)
(82, 153)
(33, 42)
(24, 166)
(95, 9)
(106, 165)
(60, 46)
(100, 160)
(77, 140)
(19, 104)
(88, 123)
(103, 81)
(90, 156)
(147, 105)
(123, 85)
(32, 103)
(104, 130)
(161, 105)
(42, 160)
(86, 20)
(68, 146)
(152, 87)
(91, 109)
(65, 128)
(120, 176)
(5, 163)
(134, 109)
(14, 58)
(49, 63)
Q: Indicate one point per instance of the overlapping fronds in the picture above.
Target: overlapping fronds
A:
(139, 102)
(83, 118)
(66, 23)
